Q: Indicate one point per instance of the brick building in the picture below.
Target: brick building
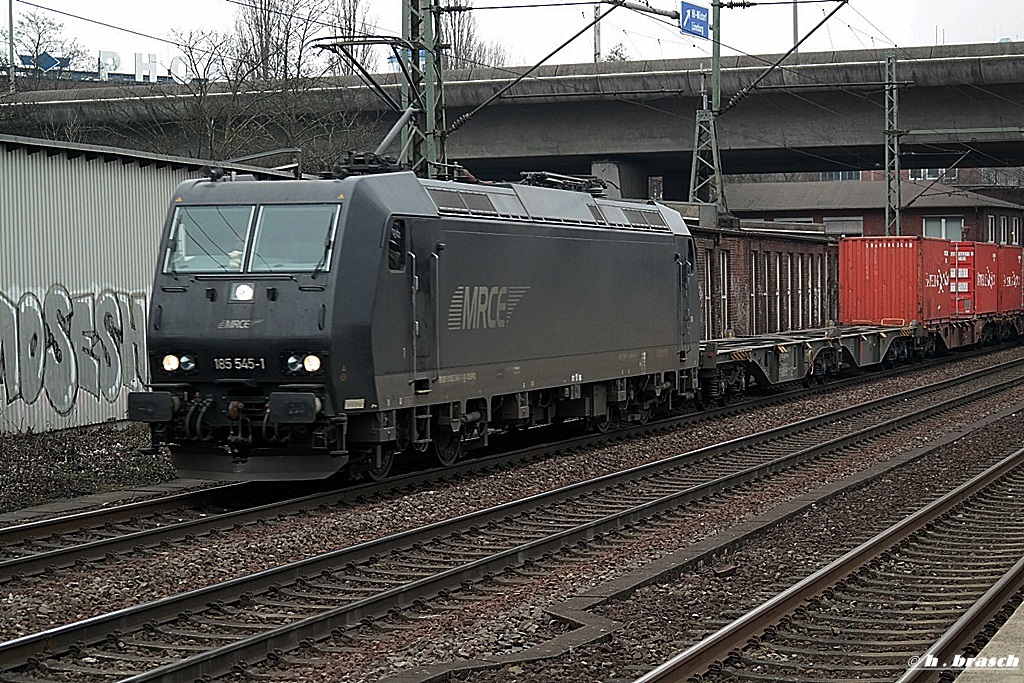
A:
(855, 208)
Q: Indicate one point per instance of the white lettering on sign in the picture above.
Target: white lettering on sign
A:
(147, 68)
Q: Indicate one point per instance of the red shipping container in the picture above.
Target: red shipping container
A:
(1009, 278)
(973, 278)
(893, 280)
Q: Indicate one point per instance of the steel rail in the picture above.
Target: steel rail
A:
(147, 538)
(965, 629)
(114, 513)
(97, 628)
(717, 647)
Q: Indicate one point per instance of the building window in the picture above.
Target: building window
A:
(991, 236)
(755, 280)
(1016, 229)
(840, 175)
(946, 227)
(789, 292)
(1004, 229)
(778, 293)
(723, 274)
(933, 173)
(709, 323)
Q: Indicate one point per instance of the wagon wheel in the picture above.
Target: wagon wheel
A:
(381, 472)
(601, 424)
(725, 398)
(644, 415)
(446, 447)
(703, 397)
(889, 360)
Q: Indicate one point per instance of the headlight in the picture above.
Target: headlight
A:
(293, 364)
(243, 292)
(188, 363)
(170, 363)
(311, 363)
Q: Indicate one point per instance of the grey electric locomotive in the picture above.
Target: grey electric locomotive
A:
(299, 327)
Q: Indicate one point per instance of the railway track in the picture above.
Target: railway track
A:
(45, 545)
(898, 607)
(210, 630)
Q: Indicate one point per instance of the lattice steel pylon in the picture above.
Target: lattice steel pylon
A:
(706, 170)
(423, 148)
(893, 198)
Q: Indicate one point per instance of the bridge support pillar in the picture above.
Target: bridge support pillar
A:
(626, 179)
(675, 187)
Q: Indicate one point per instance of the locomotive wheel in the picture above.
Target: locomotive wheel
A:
(387, 459)
(446, 449)
(645, 415)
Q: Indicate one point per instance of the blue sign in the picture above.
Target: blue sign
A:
(45, 61)
(693, 19)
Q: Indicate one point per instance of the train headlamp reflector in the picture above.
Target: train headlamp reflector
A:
(311, 363)
(170, 363)
(187, 363)
(243, 292)
(293, 363)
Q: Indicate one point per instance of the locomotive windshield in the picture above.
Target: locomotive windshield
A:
(290, 238)
(293, 239)
(208, 239)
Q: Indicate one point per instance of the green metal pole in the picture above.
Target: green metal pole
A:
(430, 86)
(716, 56)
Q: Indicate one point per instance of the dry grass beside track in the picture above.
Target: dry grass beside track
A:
(38, 468)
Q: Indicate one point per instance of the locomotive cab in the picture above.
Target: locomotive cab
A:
(238, 339)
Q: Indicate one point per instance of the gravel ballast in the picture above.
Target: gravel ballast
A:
(78, 593)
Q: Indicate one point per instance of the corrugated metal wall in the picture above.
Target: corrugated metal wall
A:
(78, 243)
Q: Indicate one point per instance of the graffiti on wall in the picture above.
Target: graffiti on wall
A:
(68, 344)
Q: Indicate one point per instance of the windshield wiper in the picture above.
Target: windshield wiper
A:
(171, 268)
(327, 250)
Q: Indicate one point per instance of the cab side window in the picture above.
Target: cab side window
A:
(396, 245)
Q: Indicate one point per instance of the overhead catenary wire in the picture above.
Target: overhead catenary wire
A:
(459, 122)
(734, 100)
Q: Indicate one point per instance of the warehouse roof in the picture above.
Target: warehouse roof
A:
(130, 156)
(844, 194)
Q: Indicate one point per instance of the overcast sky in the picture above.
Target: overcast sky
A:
(530, 33)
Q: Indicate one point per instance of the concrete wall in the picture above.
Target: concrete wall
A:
(566, 117)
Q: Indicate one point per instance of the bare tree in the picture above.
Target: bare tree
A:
(459, 31)
(351, 18)
(618, 53)
(259, 88)
(273, 38)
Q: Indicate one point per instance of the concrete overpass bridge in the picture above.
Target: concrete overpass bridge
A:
(821, 111)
